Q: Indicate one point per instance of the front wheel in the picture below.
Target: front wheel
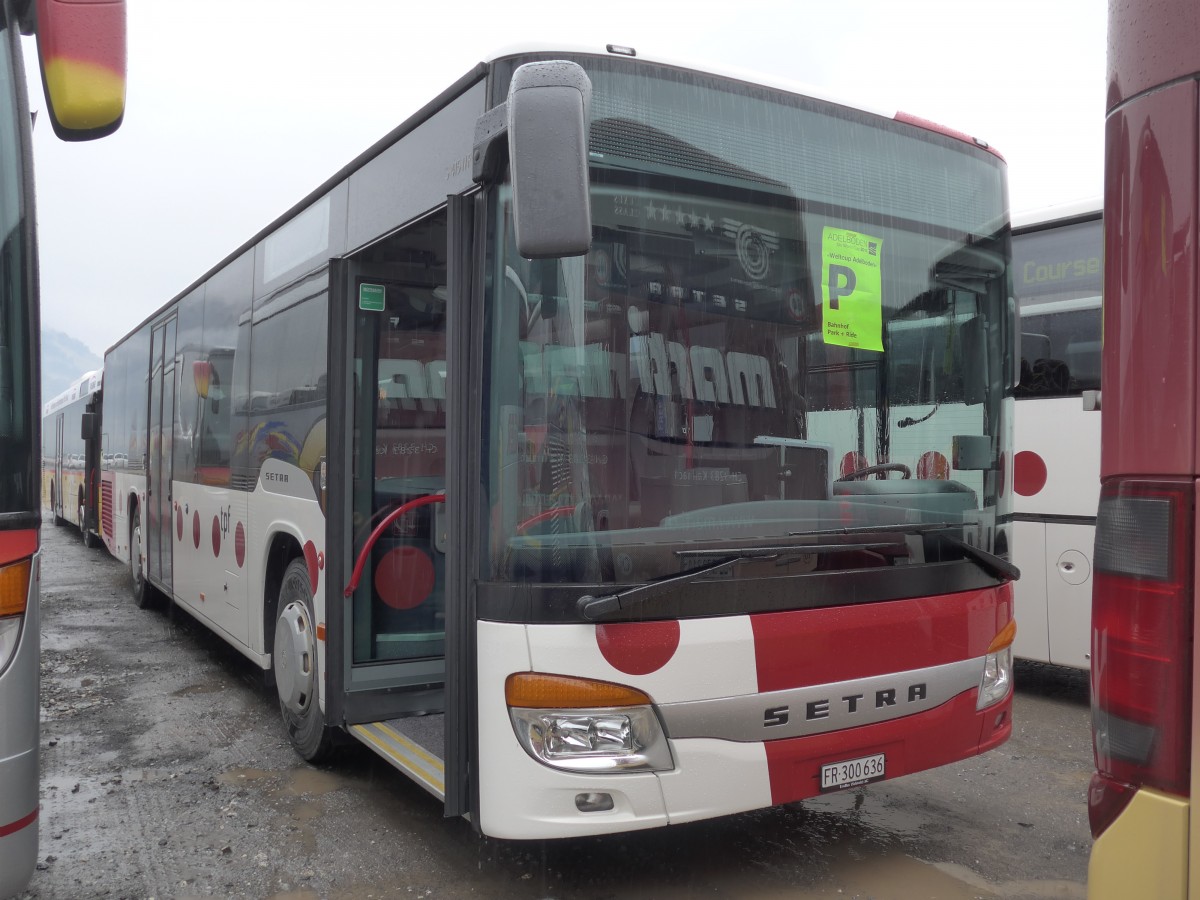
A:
(142, 592)
(295, 667)
(89, 539)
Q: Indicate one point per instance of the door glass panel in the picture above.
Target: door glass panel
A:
(400, 442)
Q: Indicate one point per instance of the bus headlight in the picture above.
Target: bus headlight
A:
(586, 726)
(997, 680)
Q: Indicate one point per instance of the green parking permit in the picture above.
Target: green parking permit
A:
(851, 289)
(371, 297)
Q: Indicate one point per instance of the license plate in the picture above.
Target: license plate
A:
(852, 772)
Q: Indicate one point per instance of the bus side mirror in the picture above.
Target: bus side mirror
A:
(87, 429)
(546, 121)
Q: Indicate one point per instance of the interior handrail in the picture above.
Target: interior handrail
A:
(400, 510)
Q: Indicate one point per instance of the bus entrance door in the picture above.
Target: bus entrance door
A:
(396, 525)
(158, 463)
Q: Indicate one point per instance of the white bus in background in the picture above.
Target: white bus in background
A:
(71, 457)
(1057, 275)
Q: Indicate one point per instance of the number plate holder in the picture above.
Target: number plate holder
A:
(853, 772)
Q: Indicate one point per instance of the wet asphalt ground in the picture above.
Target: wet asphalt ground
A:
(166, 773)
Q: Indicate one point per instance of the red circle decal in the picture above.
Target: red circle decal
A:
(638, 648)
(404, 577)
(216, 537)
(1029, 473)
(933, 466)
(310, 559)
(239, 545)
(852, 462)
(196, 529)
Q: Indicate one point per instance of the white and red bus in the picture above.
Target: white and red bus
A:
(82, 53)
(545, 448)
(1057, 274)
(71, 457)
(1144, 662)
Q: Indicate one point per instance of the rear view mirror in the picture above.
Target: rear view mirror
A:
(546, 119)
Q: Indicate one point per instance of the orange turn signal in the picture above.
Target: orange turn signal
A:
(1005, 638)
(14, 588)
(534, 690)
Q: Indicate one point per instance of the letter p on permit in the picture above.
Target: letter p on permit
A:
(841, 283)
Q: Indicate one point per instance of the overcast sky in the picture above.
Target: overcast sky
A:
(236, 110)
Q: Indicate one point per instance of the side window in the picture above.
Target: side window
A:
(288, 385)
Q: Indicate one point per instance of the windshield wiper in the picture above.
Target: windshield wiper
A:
(989, 562)
(595, 607)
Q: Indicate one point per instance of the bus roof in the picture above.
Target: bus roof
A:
(1058, 214)
(479, 72)
(83, 386)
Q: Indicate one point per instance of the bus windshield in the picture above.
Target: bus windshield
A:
(792, 318)
(1056, 279)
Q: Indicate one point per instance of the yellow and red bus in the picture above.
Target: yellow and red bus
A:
(1144, 662)
(82, 52)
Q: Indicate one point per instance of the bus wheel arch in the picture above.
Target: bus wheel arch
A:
(284, 548)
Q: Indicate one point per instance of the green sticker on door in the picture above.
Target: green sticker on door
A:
(371, 297)
(851, 289)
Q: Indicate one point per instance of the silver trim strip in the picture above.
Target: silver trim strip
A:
(819, 709)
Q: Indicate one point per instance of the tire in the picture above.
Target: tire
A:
(143, 593)
(59, 521)
(89, 539)
(296, 669)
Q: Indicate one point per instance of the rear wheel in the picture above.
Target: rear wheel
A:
(295, 667)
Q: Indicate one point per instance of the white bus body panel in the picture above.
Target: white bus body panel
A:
(1054, 596)
(221, 552)
(521, 798)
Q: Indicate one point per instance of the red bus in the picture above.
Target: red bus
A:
(82, 52)
(615, 444)
(1144, 664)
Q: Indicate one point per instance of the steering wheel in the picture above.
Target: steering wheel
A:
(905, 471)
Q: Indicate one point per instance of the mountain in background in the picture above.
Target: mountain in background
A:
(64, 359)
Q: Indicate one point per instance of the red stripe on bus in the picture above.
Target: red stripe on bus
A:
(944, 734)
(823, 646)
(16, 545)
(14, 827)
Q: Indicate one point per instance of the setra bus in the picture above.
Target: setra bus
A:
(82, 52)
(545, 448)
(1057, 274)
(71, 457)
(1144, 660)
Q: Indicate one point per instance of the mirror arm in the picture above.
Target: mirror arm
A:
(489, 157)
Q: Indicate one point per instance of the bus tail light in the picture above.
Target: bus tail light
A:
(997, 680)
(1141, 643)
(14, 596)
(584, 725)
